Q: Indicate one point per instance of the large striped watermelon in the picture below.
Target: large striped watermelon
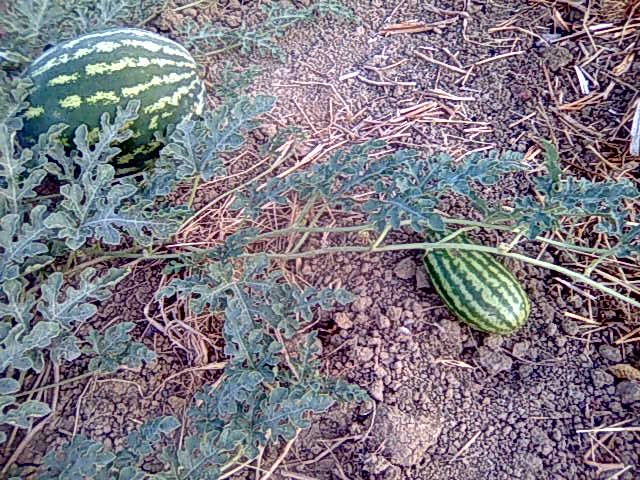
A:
(75, 81)
(478, 289)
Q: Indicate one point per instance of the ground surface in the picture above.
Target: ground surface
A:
(448, 402)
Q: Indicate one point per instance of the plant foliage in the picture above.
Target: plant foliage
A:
(260, 38)
(31, 25)
(271, 383)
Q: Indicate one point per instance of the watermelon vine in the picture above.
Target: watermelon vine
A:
(51, 245)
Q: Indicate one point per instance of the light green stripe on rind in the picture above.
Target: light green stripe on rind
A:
(157, 81)
(174, 99)
(508, 284)
(105, 68)
(450, 290)
(102, 97)
(113, 32)
(63, 79)
(436, 279)
(486, 287)
(148, 44)
(128, 32)
(460, 283)
(489, 316)
(71, 101)
(33, 112)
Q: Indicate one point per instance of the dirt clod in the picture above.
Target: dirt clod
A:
(405, 438)
(406, 269)
(494, 362)
(343, 321)
(628, 391)
(610, 353)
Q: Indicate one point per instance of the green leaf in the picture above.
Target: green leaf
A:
(19, 304)
(141, 442)
(9, 386)
(195, 147)
(13, 96)
(285, 411)
(259, 38)
(72, 307)
(89, 156)
(551, 157)
(82, 458)
(22, 244)
(31, 24)
(65, 347)
(24, 414)
(18, 346)
(115, 348)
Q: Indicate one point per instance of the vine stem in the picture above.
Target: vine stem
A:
(226, 194)
(450, 221)
(34, 431)
(131, 252)
(281, 457)
(56, 384)
(427, 247)
(194, 190)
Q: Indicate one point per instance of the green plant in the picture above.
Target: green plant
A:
(260, 38)
(40, 316)
(32, 24)
(260, 382)
(50, 246)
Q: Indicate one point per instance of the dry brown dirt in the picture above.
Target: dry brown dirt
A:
(447, 402)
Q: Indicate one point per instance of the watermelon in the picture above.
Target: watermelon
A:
(77, 80)
(478, 289)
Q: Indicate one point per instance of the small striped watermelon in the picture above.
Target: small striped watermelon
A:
(478, 289)
(76, 81)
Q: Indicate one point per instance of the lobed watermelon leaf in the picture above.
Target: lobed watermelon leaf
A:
(31, 25)
(114, 348)
(70, 307)
(22, 243)
(21, 415)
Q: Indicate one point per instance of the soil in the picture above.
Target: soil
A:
(447, 402)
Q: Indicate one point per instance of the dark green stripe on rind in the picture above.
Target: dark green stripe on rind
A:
(452, 276)
(510, 285)
(437, 274)
(75, 82)
(484, 316)
(494, 301)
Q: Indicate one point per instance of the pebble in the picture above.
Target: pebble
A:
(494, 362)
(628, 391)
(343, 321)
(365, 354)
(493, 342)
(610, 353)
(570, 327)
(520, 349)
(383, 322)
(405, 269)
(361, 304)
(601, 378)
(422, 281)
(377, 390)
